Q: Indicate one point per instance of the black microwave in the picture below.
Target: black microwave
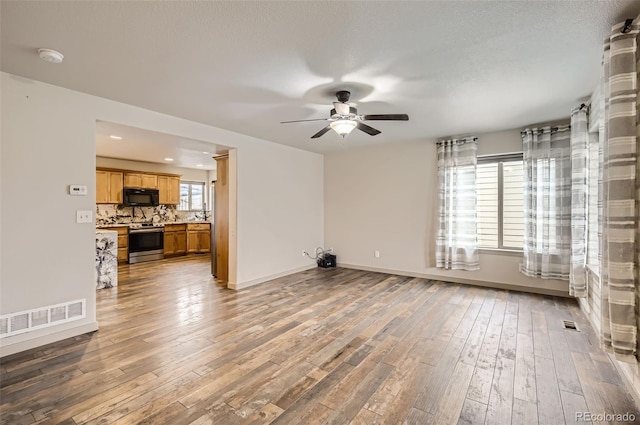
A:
(141, 197)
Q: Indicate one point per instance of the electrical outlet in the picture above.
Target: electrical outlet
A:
(83, 216)
(376, 254)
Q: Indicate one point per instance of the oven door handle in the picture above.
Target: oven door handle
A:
(146, 231)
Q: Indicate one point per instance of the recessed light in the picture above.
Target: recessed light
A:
(168, 159)
(113, 136)
(50, 55)
(199, 165)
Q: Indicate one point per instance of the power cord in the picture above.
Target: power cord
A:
(320, 252)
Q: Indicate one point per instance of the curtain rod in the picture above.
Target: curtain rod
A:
(541, 130)
(627, 26)
(455, 138)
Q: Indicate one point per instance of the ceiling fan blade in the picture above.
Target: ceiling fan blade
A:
(321, 132)
(390, 117)
(369, 130)
(316, 119)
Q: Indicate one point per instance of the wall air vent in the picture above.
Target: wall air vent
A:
(569, 324)
(29, 320)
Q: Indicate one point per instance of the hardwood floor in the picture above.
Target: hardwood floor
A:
(325, 346)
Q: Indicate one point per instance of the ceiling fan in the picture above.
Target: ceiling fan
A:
(344, 118)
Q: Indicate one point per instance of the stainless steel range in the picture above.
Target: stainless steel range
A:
(146, 242)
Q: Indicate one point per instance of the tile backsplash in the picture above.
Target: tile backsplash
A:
(119, 214)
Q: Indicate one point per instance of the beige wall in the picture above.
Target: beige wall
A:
(48, 142)
(385, 198)
(188, 174)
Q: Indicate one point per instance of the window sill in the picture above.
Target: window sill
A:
(513, 252)
(593, 271)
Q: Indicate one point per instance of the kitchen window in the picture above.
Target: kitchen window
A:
(191, 196)
(500, 202)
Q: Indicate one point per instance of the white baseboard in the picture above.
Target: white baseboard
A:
(495, 285)
(7, 348)
(242, 285)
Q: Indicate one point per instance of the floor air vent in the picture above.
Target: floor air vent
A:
(569, 324)
(25, 321)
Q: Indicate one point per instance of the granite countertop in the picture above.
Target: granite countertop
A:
(105, 226)
(105, 231)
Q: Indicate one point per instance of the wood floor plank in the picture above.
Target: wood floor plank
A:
(499, 409)
(541, 343)
(524, 412)
(397, 411)
(366, 417)
(587, 373)
(480, 385)
(548, 392)
(473, 413)
(565, 369)
(430, 396)
(323, 346)
(524, 385)
(453, 398)
(573, 405)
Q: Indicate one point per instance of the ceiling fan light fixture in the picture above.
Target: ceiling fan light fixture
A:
(343, 127)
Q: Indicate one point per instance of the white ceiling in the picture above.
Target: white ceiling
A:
(149, 146)
(454, 67)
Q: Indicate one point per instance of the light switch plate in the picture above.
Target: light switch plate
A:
(77, 190)
(84, 216)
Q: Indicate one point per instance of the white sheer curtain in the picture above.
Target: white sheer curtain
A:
(547, 202)
(456, 244)
(579, 201)
(620, 266)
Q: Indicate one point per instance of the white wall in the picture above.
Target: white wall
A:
(48, 142)
(385, 198)
(188, 174)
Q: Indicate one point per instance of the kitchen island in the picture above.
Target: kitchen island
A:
(106, 258)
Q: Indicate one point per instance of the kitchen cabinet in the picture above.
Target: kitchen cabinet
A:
(175, 239)
(169, 188)
(109, 187)
(198, 238)
(123, 242)
(141, 180)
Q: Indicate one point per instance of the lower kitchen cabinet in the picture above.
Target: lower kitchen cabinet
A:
(198, 238)
(123, 242)
(175, 239)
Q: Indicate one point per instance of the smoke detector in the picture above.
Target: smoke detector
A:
(51, 56)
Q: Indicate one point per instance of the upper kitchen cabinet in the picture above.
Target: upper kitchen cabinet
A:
(140, 180)
(110, 182)
(169, 188)
(109, 187)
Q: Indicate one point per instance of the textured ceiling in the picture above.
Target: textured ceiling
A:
(454, 67)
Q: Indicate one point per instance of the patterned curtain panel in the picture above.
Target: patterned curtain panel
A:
(456, 245)
(579, 201)
(620, 236)
(547, 202)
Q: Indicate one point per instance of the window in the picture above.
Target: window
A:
(191, 196)
(500, 201)
(593, 193)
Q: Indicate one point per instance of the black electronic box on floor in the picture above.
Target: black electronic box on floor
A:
(327, 260)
